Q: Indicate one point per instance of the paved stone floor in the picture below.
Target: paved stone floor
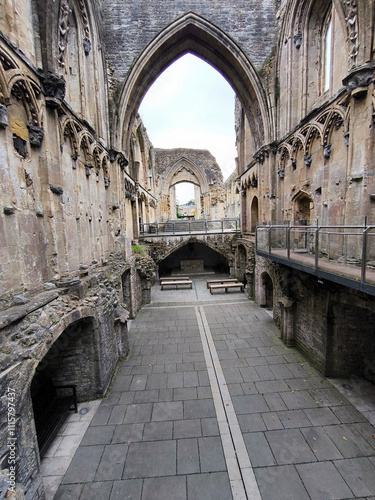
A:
(210, 405)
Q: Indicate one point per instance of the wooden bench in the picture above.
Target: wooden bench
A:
(176, 278)
(221, 282)
(176, 283)
(51, 405)
(226, 286)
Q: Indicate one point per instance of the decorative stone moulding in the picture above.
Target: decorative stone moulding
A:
(88, 170)
(86, 47)
(346, 138)
(307, 160)
(106, 181)
(35, 135)
(327, 150)
(281, 173)
(358, 81)
(298, 40)
(3, 116)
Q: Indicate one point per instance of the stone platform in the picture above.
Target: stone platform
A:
(210, 405)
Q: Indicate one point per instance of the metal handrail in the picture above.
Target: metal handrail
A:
(177, 227)
(362, 231)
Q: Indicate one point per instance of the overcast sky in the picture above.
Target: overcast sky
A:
(192, 106)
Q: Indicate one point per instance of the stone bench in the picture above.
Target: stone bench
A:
(227, 286)
(221, 282)
(176, 283)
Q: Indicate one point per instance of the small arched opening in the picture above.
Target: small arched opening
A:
(266, 299)
(254, 214)
(194, 258)
(72, 360)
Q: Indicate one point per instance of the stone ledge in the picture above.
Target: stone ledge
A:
(15, 313)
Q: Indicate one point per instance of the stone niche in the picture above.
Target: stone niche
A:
(192, 265)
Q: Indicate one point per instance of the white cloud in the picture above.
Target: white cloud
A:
(191, 105)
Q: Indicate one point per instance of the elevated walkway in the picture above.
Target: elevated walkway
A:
(342, 254)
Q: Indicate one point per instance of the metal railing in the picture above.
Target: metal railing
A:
(342, 250)
(199, 226)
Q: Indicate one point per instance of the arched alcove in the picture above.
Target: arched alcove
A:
(254, 214)
(193, 34)
(266, 299)
(193, 258)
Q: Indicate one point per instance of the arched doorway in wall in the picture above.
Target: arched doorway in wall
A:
(72, 359)
(254, 214)
(266, 298)
(302, 208)
(241, 268)
(194, 258)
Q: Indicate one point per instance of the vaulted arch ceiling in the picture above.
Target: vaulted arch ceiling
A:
(191, 33)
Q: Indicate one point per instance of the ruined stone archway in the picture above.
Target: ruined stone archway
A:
(194, 34)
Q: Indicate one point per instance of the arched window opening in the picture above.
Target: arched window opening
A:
(254, 214)
(327, 59)
(187, 200)
(72, 66)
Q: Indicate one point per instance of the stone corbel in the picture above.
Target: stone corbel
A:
(327, 150)
(358, 81)
(53, 89)
(3, 116)
(298, 40)
(35, 135)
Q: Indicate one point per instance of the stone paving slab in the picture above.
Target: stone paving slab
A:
(162, 432)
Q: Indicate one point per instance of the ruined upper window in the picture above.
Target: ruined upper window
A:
(327, 54)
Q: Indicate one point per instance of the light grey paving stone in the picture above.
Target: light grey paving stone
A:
(260, 453)
(251, 423)
(126, 398)
(192, 357)
(187, 429)
(166, 395)
(348, 414)
(367, 431)
(298, 400)
(84, 464)
(235, 390)
(201, 408)
(215, 486)
(185, 393)
(157, 381)
(137, 413)
(322, 480)
(310, 382)
(187, 456)
(328, 397)
(204, 392)
(127, 489)
(280, 371)
(269, 386)
(264, 372)
(165, 488)
(150, 459)
(252, 403)
(175, 380)
(211, 454)
(102, 415)
(275, 402)
(150, 396)
(203, 378)
(249, 388)
(232, 375)
(156, 431)
(185, 367)
(289, 447)
(138, 383)
(261, 362)
(299, 370)
(281, 482)
(169, 368)
(141, 370)
(170, 410)
(275, 360)
(190, 379)
(121, 383)
(68, 492)
(127, 433)
(272, 421)
(248, 352)
(293, 418)
(112, 462)
(209, 427)
(117, 415)
(349, 441)
(321, 444)
(112, 399)
(359, 474)
(249, 374)
(98, 435)
(321, 416)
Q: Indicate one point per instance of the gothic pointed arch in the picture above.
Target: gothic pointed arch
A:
(193, 34)
(184, 170)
